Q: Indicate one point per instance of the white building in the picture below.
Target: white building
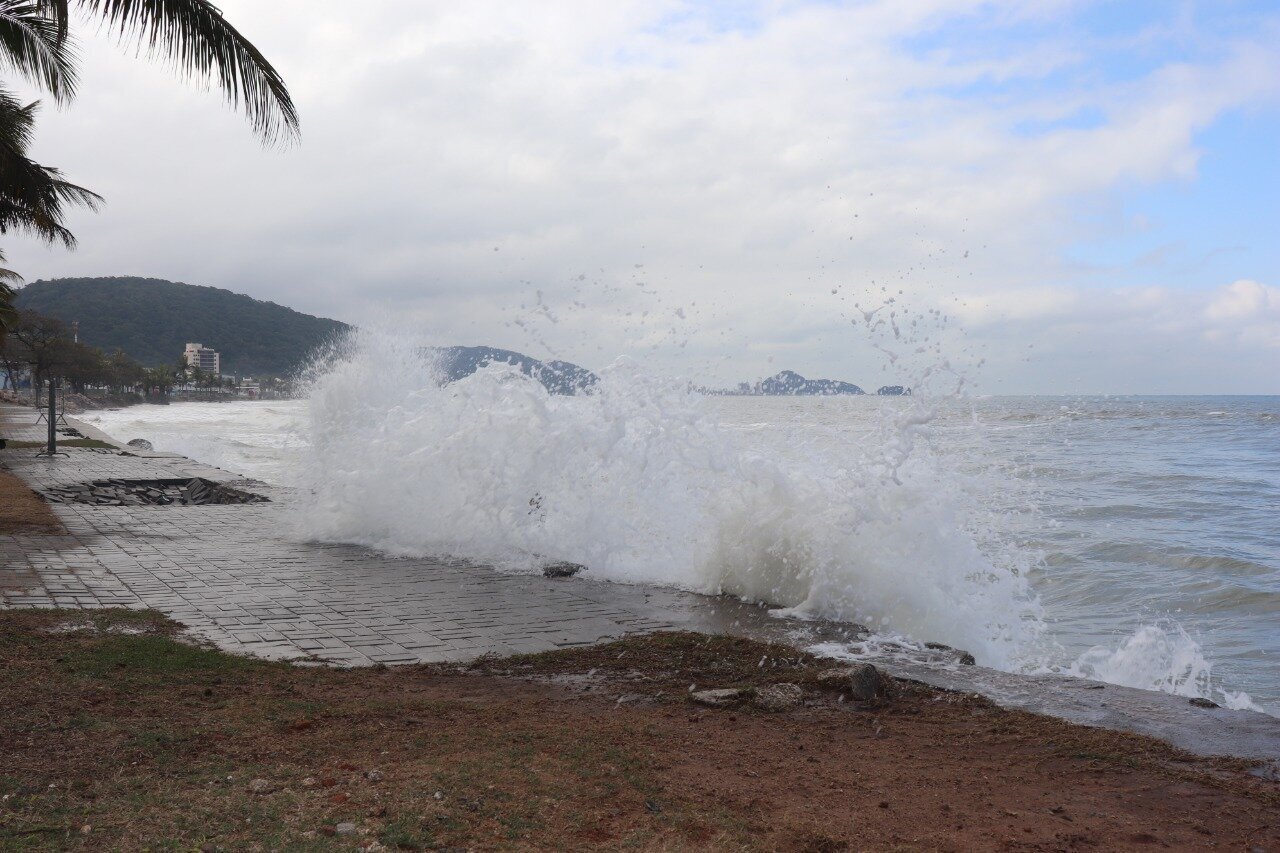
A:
(203, 357)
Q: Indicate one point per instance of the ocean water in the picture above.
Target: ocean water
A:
(1134, 540)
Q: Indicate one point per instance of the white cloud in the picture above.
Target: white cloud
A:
(751, 170)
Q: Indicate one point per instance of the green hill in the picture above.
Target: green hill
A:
(152, 320)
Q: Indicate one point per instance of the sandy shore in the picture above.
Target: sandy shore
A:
(117, 737)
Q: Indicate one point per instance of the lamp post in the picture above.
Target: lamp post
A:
(51, 449)
(53, 418)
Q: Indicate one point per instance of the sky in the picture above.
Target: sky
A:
(1018, 197)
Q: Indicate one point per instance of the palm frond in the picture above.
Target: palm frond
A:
(8, 314)
(200, 42)
(36, 46)
(59, 12)
(16, 123)
(33, 197)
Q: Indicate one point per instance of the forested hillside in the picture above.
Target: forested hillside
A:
(152, 320)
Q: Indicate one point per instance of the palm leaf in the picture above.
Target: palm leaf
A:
(36, 47)
(200, 42)
(8, 314)
(33, 197)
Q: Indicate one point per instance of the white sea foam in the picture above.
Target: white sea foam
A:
(639, 483)
(793, 502)
(1158, 657)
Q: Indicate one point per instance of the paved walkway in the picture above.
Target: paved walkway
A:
(235, 577)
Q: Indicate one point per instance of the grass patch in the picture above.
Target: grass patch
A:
(149, 656)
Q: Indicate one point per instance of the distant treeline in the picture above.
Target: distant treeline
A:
(37, 348)
(151, 320)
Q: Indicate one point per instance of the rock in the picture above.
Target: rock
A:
(374, 775)
(862, 681)
(719, 698)
(778, 697)
(310, 782)
(562, 570)
(345, 828)
(1201, 702)
(141, 444)
(261, 786)
(961, 656)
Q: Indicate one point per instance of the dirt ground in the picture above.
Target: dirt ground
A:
(22, 510)
(115, 736)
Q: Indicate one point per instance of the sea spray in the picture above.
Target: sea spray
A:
(1018, 475)
(1158, 657)
(639, 483)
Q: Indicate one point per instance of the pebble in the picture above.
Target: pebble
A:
(346, 828)
(261, 786)
(718, 698)
(778, 697)
(374, 775)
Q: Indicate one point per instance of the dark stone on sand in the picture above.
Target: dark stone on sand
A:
(862, 682)
(1201, 702)
(141, 444)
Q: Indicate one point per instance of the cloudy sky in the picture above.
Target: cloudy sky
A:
(1051, 196)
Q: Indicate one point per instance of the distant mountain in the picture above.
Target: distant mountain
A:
(788, 383)
(152, 320)
(558, 377)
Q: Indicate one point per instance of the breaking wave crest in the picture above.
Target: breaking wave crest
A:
(639, 482)
(1158, 657)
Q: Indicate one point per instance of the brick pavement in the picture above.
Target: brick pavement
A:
(236, 577)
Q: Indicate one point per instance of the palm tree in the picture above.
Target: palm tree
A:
(35, 42)
(8, 314)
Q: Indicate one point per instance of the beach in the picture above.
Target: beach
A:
(686, 774)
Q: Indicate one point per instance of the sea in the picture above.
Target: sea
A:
(1133, 540)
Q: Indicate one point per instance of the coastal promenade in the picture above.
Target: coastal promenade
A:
(239, 577)
(235, 577)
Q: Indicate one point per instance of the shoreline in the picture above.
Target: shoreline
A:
(1207, 731)
(593, 740)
